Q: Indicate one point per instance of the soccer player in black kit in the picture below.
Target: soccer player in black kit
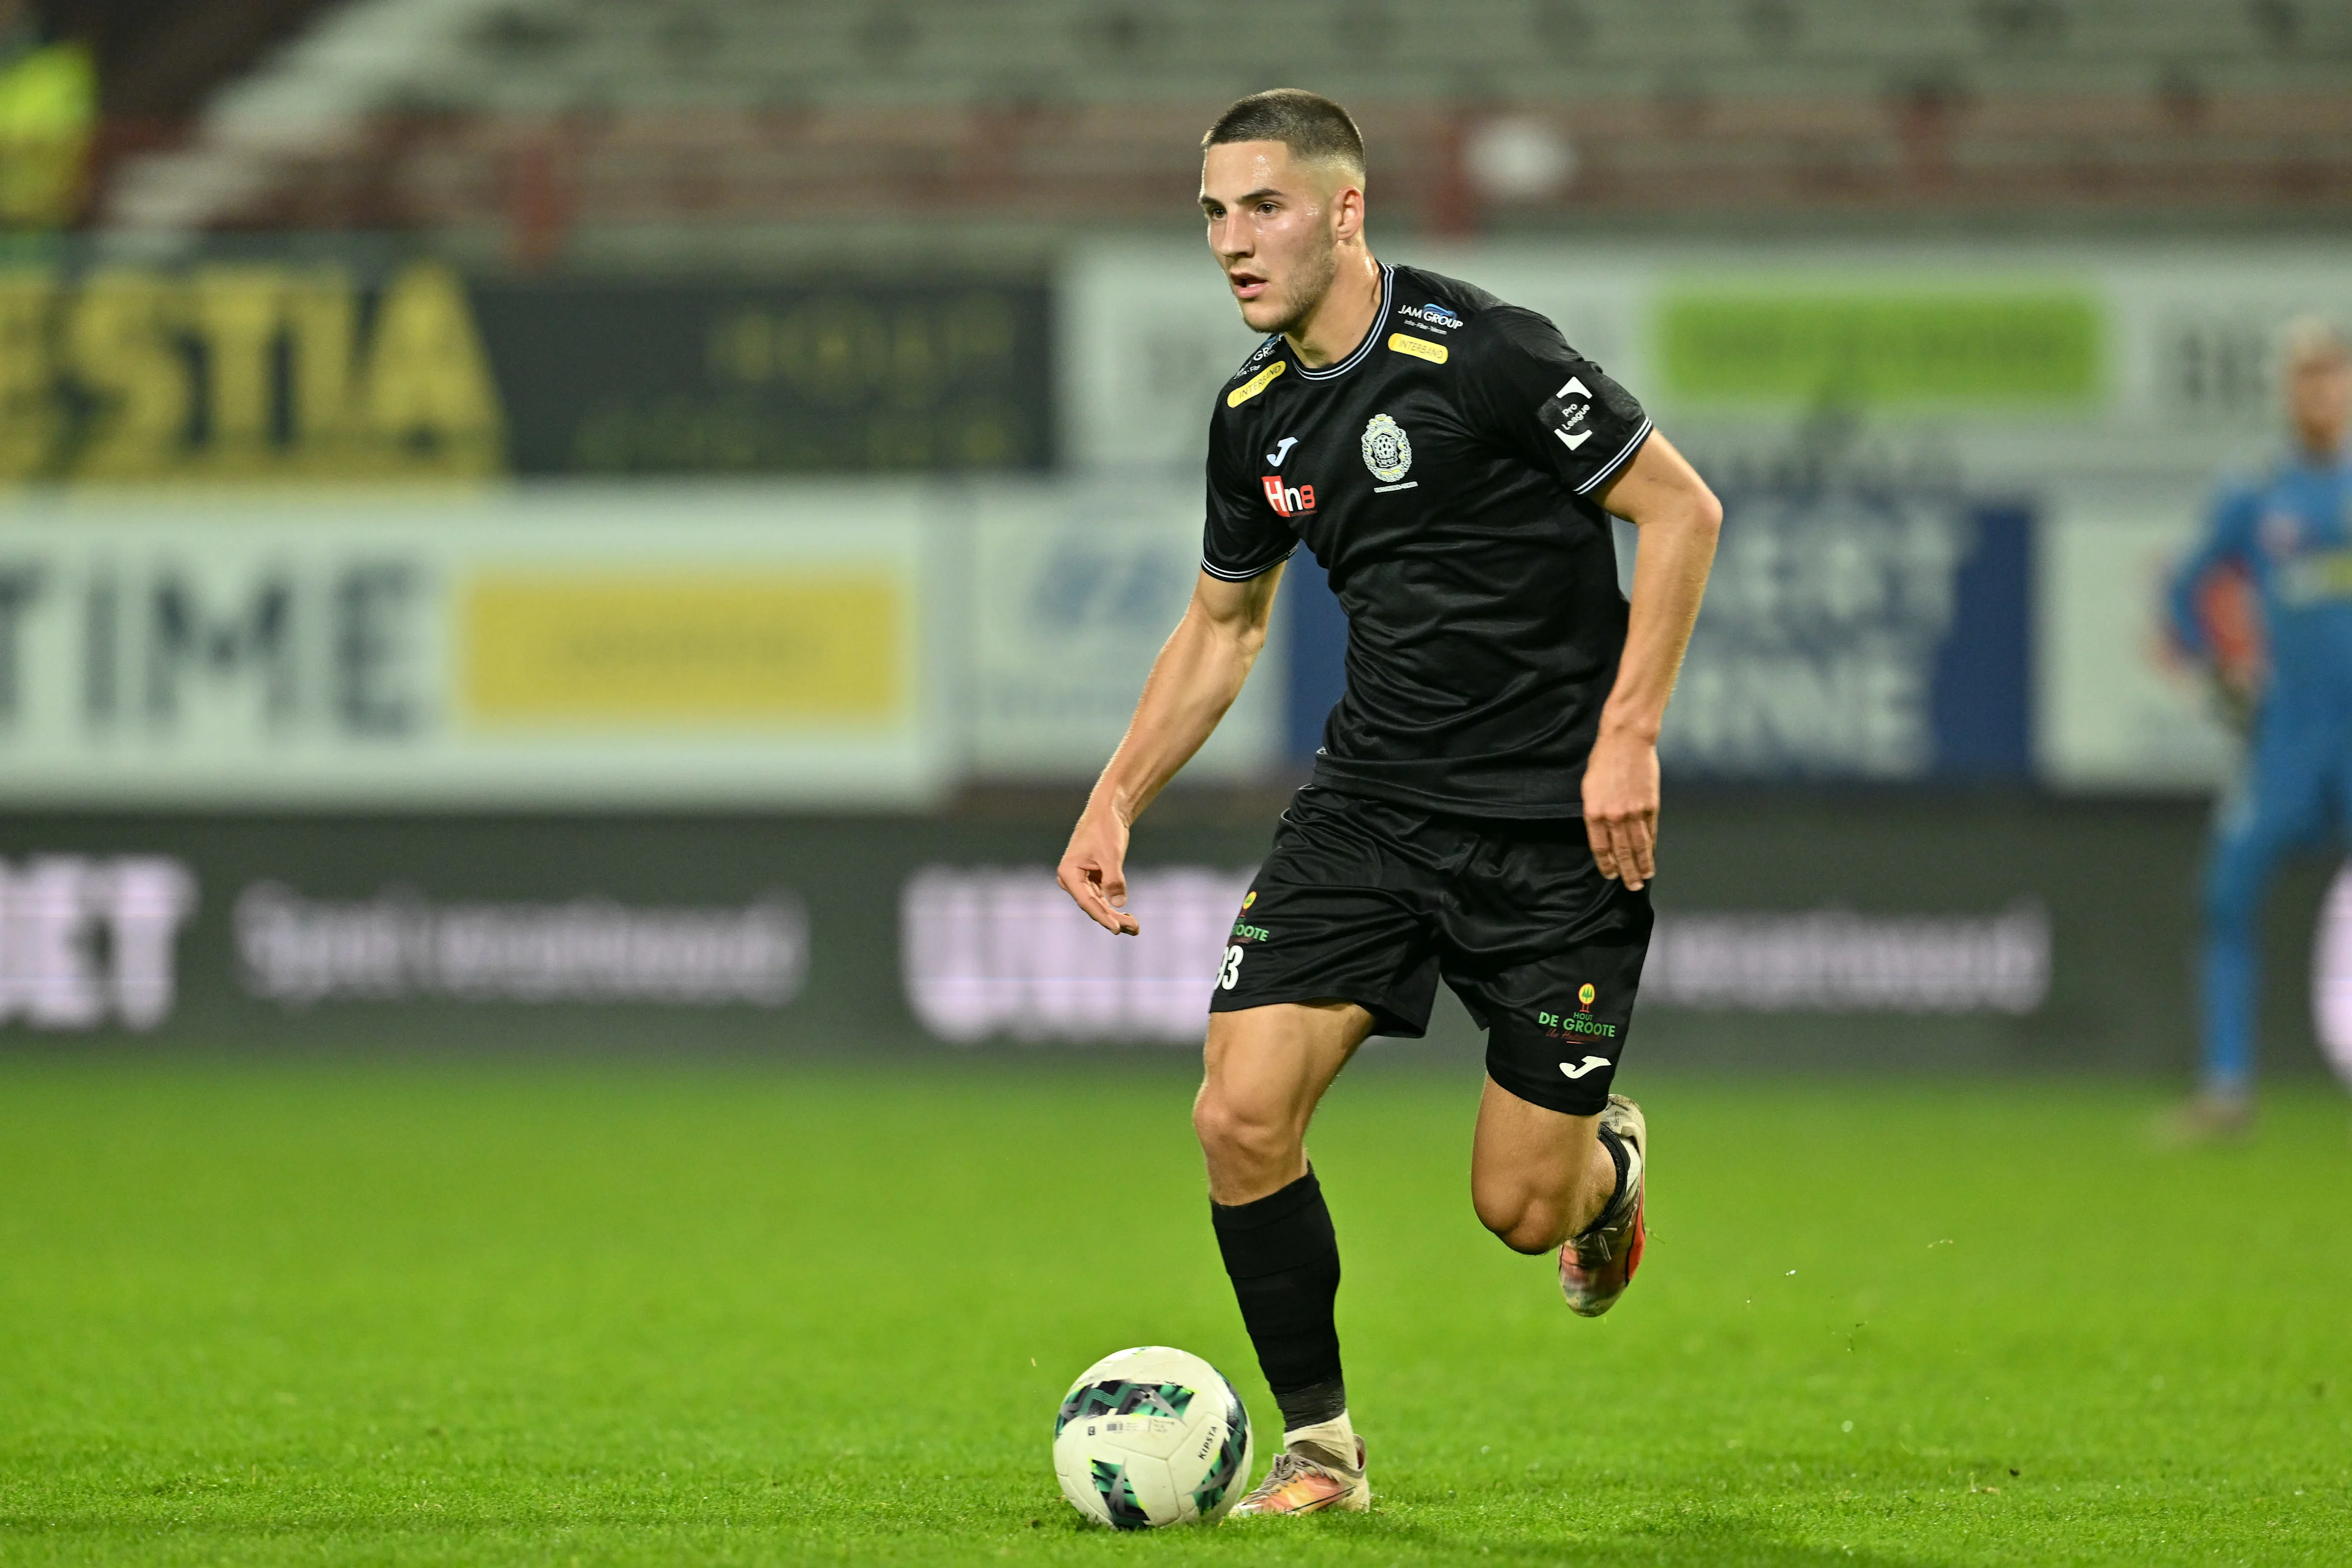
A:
(1483, 807)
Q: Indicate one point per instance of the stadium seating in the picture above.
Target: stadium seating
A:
(562, 111)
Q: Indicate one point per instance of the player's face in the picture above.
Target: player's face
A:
(1271, 229)
(2319, 400)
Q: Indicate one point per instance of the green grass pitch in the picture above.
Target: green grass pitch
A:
(261, 1314)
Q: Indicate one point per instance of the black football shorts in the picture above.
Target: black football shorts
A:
(1370, 902)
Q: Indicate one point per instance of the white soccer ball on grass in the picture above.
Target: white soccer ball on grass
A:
(1152, 1437)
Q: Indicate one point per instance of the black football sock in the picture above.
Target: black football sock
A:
(1284, 1265)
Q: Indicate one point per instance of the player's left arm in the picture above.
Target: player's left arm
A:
(1662, 495)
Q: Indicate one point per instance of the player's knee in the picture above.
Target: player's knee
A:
(1533, 1230)
(1237, 1135)
(1520, 1220)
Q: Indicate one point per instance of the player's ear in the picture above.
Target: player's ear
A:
(1347, 210)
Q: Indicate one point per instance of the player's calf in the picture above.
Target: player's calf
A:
(1538, 1176)
(1266, 1067)
(1530, 1214)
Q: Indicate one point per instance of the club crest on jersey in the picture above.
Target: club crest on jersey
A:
(1387, 451)
(1287, 502)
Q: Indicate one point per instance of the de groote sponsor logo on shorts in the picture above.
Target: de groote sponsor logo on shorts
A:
(1238, 946)
(1579, 1023)
(1560, 1026)
(1244, 932)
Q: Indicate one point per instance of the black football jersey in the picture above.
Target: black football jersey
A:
(1444, 474)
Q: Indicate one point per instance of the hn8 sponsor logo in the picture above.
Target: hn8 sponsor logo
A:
(1288, 502)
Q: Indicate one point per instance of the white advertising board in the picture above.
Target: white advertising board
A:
(607, 647)
(988, 951)
(1147, 333)
(1072, 590)
(2113, 712)
(1999, 365)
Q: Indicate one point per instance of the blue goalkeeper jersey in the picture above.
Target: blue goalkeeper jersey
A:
(2288, 529)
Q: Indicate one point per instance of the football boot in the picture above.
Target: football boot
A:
(1307, 1478)
(1598, 1263)
(2211, 1117)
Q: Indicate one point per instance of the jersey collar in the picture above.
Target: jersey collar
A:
(1387, 298)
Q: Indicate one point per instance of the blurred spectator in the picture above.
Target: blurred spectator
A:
(48, 108)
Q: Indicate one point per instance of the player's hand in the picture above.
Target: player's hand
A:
(1620, 805)
(1094, 871)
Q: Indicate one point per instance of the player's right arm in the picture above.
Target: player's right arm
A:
(2228, 540)
(1198, 674)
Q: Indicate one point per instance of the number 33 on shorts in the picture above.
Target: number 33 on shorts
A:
(1232, 973)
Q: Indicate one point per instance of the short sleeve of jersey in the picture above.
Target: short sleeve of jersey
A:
(1542, 400)
(1243, 538)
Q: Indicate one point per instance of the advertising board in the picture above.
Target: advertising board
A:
(1003, 952)
(242, 371)
(2116, 712)
(1864, 634)
(838, 376)
(1868, 930)
(568, 647)
(2003, 365)
(289, 365)
(1072, 589)
(1848, 633)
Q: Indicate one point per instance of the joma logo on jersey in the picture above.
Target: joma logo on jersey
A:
(1288, 502)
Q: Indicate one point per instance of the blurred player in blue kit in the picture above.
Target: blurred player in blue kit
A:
(2280, 541)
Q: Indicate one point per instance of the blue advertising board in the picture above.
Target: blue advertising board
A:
(1848, 635)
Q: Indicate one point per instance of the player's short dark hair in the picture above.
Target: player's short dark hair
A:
(1315, 129)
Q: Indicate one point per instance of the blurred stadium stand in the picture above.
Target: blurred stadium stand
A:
(155, 65)
(541, 115)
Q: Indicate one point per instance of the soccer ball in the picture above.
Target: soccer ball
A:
(1152, 1437)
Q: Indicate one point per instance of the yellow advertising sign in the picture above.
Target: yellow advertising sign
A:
(242, 373)
(629, 650)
